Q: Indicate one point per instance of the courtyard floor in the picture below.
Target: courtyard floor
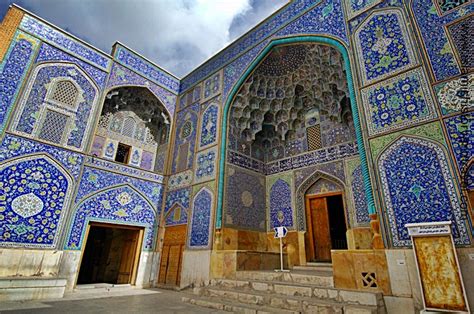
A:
(127, 301)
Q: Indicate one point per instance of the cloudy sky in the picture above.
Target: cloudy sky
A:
(176, 34)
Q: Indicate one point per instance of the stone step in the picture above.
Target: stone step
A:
(31, 288)
(231, 306)
(297, 289)
(312, 266)
(320, 279)
(338, 300)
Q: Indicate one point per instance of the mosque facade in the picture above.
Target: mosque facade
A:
(341, 120)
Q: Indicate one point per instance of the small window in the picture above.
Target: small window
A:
(177, 214)
(313, 136)
(65, 93)
(123, 153)
(53, 126)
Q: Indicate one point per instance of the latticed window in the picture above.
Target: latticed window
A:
(65, 93)
(313, 136)
(53, 127)
(129, 127)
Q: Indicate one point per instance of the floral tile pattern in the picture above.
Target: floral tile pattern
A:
(417, 187)
(205, 168)
(281, 209)
(35, 193)
(119, 205)
(384, 44)
(12, 72)
(181, 199)
(209, 124)
(186, 126)
(456, 95)
(200, 225)
(398, 102)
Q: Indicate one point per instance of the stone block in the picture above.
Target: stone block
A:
(355, 297)
(359, 238)
(398, 271)
(196, 268)
(293, 290)
(9, 262)
(399, 305)
(320, 293)
(260, 286)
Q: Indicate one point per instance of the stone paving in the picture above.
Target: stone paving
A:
(127, 301)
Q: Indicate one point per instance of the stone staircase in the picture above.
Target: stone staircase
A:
(306, 289)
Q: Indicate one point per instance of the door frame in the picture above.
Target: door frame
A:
(141, 233)
(309, 221)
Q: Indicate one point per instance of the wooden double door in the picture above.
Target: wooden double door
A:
(172, 255)
(326, 226)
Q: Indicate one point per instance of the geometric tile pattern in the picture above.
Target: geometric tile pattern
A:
(12, 71)
(384, 45)
(34, 195)
(457, 94)
(205, 168)
(359, 198)
(461, 135)
(245, 199)
(209, 124)
(463, 38)
(398, 102)
(200, 226)
(281, 209)
(418, 187)
(52, 36)
(119, 205)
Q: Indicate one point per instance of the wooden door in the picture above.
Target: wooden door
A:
(321, 230)
(171, 255)
(127, 260)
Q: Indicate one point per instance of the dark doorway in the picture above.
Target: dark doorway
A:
(326, 226)
(111, 255)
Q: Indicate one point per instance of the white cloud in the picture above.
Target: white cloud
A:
(176, 34)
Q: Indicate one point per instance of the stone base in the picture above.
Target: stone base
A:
(31, 288)
(225, 263)
(364, 270)
(359, 239)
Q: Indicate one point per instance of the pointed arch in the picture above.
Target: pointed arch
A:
(418, 186)
(200, 229)
(120, 204)
(37, 204)
(355, 112)
(301, 191)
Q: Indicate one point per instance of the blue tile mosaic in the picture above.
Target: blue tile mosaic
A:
(50, 53)
(356, 7)
(435, 40)
(269, 27)
(245, 199)
(34, 101)
(398, 102)
(205, 168)
(358, 193)
(118, 205)
(448, 5)
(209, 124)
(461, 135)
(384, 44)
(13, 147)
(456, 95)
(418, 187)
(93, 180)
(146, 68)
(12, 72)
(34, 195)
(281, 211)
(186, 126)
(56, 38)
(121, 76)
(212, 85)
(177, 198)
(200, 226)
